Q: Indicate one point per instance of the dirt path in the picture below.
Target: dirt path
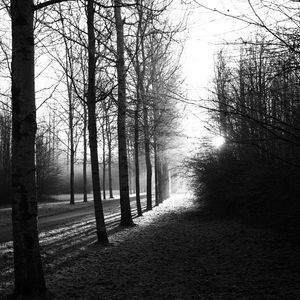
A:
(174, 252)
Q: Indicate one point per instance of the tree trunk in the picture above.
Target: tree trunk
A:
(126, 218)
(129, 170)
(136, 159)
(147, 155)
(108, 135)
(104, 161)
(68, 71)
(84, 153)
(72, 151)
(166, 181)
(156, 173)
(100, 224)
(139, 78)
(168, 185)
(160, 180)
(29, 277)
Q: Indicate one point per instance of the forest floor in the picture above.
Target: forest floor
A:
(174, 252)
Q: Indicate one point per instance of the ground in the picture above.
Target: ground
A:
(56, 215)
(177, 252)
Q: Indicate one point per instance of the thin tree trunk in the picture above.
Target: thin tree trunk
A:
(136, 115)
(136, 159)
(126, 218)
(72, 152)
(168, 185)
(104, 162)
(100, 224)
(108, 134)
(29, 277)
(145, 119)
(166, 181)
(156, 172)
(84, 153)
(136, 137)
(156, 157)
(68, 71)
(147, 156)
(129, 170)
(160, 179)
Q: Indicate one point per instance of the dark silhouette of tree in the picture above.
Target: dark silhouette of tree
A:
(256, 102)
(92, 126)
(126, 218)
(84, 165)
(29, 277)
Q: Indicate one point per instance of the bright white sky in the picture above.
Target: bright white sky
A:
(207, 32)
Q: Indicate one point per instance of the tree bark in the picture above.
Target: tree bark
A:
(126, 218)
(166, 181)
(84, 153)
(139, 78)
(147, 155)
(72, 151)
(136, 135)
(160, 180)
(92, 126)
(156, 173)
(109, 162)
(136, 159)
(103, 161)
(29, 277)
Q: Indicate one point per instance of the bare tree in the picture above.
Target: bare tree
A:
(29, 278)
(91, 101)
(126, 218)
(85, 120)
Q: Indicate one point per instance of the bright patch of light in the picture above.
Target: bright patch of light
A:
(218, 141)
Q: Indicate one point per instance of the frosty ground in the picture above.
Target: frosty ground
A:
(173, 252)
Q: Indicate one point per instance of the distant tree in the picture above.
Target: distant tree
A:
(47, 168)
(109, 133)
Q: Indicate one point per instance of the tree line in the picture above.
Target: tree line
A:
(113, 81)
(257, 100)
(254, 105)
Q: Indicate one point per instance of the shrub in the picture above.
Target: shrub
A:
(249, 190)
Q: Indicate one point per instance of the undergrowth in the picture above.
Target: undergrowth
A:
(251, 191)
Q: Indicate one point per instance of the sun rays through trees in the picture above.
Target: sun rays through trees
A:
(91, 111)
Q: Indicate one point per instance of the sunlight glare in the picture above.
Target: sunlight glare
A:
(218, 141)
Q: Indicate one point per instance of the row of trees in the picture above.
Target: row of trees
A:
(257, 99)
(254, 105)
(112, 79)
(47, 167)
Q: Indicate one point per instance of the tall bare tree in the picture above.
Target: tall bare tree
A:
(126, 217)
(92, 126)
(29, 277)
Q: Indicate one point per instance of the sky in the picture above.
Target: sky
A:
(208, 31)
